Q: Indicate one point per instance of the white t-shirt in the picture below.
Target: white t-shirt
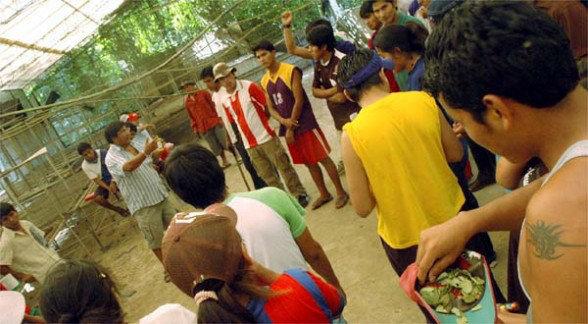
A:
(170, 313)
(93, 170)
(269, 220)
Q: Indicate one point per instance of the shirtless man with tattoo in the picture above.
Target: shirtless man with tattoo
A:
(510, 101)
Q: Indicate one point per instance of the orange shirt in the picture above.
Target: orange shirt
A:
(201, 110)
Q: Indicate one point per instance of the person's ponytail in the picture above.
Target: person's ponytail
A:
(222, 305)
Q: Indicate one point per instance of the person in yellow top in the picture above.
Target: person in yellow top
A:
(396, 153)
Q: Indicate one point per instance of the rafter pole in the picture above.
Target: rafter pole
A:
(11, 42)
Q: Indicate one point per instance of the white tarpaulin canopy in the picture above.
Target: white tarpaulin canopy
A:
(34, 34)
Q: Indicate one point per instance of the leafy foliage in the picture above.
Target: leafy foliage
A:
(142, 33)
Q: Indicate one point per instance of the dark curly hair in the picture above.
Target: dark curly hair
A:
(509, 49)
(193, 173)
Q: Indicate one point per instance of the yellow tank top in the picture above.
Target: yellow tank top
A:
(398, 140)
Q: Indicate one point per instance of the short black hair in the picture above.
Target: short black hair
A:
(206, 72)
(79, 291)
(366, 9)
(83, 146)
(409, 38)
(390, 1)
(112, 130)
(6, 208)
(321, 35)
(263, 45)
(318, 22)
(193, 173)
(352, 63)
(509, 49)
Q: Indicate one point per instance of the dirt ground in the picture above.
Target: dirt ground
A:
(350, 242)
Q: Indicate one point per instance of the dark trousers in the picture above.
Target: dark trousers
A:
(400, 259)
(258, 182)
(485, 160)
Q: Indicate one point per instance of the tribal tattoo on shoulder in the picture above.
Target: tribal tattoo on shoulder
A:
(545, 238)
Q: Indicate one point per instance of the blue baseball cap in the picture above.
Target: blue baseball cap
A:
(439, 8)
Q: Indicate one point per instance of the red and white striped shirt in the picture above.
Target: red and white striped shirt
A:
(247, 106)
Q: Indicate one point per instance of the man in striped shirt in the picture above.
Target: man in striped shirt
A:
(129, 162)
(244, 101)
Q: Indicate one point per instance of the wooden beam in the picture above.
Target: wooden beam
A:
(34, 47)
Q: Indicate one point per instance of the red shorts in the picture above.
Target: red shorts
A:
(309, 147)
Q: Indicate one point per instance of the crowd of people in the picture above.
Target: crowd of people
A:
(444, 78)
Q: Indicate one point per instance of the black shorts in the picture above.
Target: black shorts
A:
(102, 192)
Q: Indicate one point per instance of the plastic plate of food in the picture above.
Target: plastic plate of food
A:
(460, 294)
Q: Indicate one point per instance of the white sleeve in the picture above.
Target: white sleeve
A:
(114, 164)
(89, 172)
(6, 253)
(222, 112)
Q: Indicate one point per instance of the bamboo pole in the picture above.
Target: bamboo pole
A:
(6, 153)
(134, 79)
(34, 47)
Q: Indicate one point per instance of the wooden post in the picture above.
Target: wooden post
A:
(55, 140)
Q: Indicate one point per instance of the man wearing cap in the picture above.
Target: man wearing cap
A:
(207, 76)
(23, 250)
(129, 162)
(205, 121)
(244, 101)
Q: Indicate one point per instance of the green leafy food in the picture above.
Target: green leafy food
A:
(455, 291)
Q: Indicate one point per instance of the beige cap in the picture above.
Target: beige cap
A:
(221, 70)
(201, 245)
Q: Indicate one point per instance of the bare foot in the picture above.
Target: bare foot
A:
(124, 212)
(321, 201)
(341, 201)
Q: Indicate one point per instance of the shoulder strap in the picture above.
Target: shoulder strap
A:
(106, 177)
(306, 281)
(257, 308)
(578, 149)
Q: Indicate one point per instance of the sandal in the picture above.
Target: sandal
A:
(321, 201)
(341, 201)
